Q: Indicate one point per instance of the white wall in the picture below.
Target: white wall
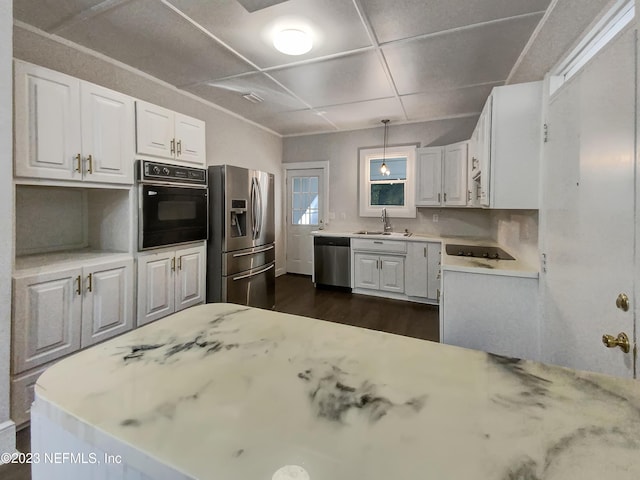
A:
(341, 151)
(7, 428)
(230, 139)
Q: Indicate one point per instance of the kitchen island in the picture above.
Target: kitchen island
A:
(221, 391)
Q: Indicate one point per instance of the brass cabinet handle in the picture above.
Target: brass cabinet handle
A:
(445, 197)
(79, 163)
(173, 146)
(425, 251)
(90, 162)
(468, 195)
(173, 264)
(438, 198)
(179, 147)
(180, 262)
(79, 289)
(438, 296)
(90, 286)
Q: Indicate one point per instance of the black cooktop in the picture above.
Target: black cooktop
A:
(493, 253)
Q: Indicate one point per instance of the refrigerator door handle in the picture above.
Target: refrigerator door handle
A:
(253, 208)
(235, 255)
(248, 275)
(259, 219)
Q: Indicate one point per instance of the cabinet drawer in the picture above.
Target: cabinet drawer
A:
(22, 394)
(378, 245)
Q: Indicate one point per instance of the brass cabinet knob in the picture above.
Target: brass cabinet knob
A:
(621, 341)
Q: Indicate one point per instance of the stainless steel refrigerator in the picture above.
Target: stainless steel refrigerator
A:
(241, 248)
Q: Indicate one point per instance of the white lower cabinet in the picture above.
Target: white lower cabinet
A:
(60, 310)
(379, 272)
(493, 313)
(423, 270)
(169, 281)
(57, 312)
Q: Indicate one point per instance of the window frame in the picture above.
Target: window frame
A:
(408, 210)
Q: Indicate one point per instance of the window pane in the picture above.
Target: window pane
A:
(387, 194)
(396, 166)
(313, 184)
(297, 216)
(298, 200)
(305, 184)
(314, 218)
(314, 201)
(297, 184)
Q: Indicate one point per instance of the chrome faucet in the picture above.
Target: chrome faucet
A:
(385, 220)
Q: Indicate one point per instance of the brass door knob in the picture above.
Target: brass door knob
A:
(621, 341)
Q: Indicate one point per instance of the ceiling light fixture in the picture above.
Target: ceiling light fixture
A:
(383, 168)
(292, 41)
(253, 97)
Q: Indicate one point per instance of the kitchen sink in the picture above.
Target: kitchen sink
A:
(393, 234)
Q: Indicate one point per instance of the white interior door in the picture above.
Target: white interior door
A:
(587, 214)
(305, 200)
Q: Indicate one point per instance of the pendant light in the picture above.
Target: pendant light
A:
(383, 168)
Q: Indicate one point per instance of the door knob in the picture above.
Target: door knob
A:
(621, 341)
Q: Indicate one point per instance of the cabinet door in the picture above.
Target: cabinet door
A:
(417, 270)
(434, 258)
(107, 307)
(108, 139)
(190, 141)
(47, 124)
(190, 280)
(366, 271)
(429, 188)
(46, 317)
(392, 274)
(154, 130)
(455, 175)
(484, 150)
(155, 286)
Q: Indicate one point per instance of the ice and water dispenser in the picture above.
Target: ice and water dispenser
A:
(238, 218)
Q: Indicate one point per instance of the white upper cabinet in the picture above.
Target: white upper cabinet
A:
(47, 123)
(429, 168)
(442, 176)
(67, 129)
(166, 134)
(510, 147)
(190, 141)
(108, 134)
(454, 183)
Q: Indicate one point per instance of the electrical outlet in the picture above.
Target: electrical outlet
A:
(435, 218)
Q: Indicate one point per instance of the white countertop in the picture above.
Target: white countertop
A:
(221, 391)
(516, 268)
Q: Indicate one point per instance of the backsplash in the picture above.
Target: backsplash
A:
(517, 230)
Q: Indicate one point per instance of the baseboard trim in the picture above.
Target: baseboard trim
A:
(7, 437)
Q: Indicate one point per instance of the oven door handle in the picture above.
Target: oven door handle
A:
(251, 253)
(249, 275)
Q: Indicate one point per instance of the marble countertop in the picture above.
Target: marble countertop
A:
(221, 391)
(516, 268)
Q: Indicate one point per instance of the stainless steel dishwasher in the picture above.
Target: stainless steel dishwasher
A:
(332, 261)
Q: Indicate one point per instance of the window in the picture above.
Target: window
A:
(393, 189)
(304, 201)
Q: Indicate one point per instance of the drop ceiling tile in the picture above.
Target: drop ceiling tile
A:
(468, 57)
(334, 25)
(427, 106)
(228, 94)
(299, 122)
(408, 18)
(149, 36)
(46, 14)
(348, 79)
(365, 114)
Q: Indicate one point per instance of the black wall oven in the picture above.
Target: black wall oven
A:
(172, 205)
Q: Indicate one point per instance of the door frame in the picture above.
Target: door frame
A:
(318, 165)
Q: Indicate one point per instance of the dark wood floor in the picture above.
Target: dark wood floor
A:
(296, 294)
